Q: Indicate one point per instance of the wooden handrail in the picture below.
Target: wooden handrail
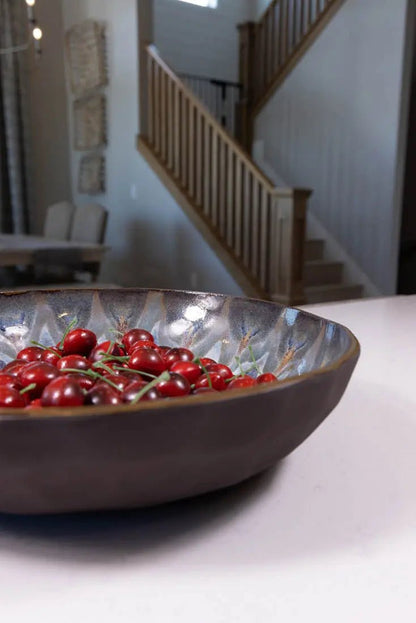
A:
(260, 227)
(153, 53)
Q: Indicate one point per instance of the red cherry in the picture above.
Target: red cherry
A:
(204, 361)
(177, 385)
(147, 360)
(241, 381)
(34, 404)
(10, 397)
(178, 354)
(203, 390)
(118, 379)
(102, 394)
(135, 335)
(267, 377)
(31, 353)
(79, 342)
(14, 367)
(132, 389)
(221, 369)
(51, 355)
(142, 344)
(38, 372)
(73, 361)
(63, 391)
(190, 370)
(105, 349)
(216, 381)
(8, 380)
(84, 381)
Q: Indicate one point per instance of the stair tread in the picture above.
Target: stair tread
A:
(323, 263)
(327, 287)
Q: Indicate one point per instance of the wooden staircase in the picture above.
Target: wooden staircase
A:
(257, 229)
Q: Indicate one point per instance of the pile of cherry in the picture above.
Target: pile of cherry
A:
(79, 371)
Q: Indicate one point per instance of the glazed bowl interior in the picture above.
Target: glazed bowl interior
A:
(233, 330)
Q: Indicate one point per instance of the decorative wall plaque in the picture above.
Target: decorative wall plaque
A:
(90, 122)
(91, 179)
(85, 47)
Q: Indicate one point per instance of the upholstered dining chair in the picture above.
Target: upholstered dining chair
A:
(89, 223)
(58, 220)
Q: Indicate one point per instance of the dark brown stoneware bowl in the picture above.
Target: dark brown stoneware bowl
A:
(90, 458)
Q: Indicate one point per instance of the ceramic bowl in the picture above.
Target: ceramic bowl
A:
(90, 458)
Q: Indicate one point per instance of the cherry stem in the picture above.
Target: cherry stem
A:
(28, 388)
(197, 360)
(92, 374)
(48, 348)
(109, 357)
(238, 360)
(67, 330)
(152, 376)
(253, 359)
(165, 376)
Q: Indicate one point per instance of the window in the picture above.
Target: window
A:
(209, 4)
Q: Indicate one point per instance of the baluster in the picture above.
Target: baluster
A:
(199, 172)
(163, 142)
(247, 217)
(184, 143)
(170, 120)
(157, 107)
(294, 23)
(222, 186)
(207, 169)
(177, 132)
(238, 213)
(263, 221)
(283, 31)
(302, 19)
(214, 177)
(191, 149)
(151, 98)
(231, 190)
(255, 217)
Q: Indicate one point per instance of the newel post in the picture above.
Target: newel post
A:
(145, 38)
(247, 33)
(288, 229)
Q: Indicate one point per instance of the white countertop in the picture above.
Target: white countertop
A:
(328, 535)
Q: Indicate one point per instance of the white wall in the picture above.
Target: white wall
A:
(49, 134)
(260, 7)
(152, 242)
(198, 40)
(333, 127)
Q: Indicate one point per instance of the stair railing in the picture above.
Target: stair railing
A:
(262, 227)
(271, 47)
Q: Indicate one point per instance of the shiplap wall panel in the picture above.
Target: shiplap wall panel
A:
(333, 127)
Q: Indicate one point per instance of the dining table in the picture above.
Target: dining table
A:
(30, 250)
(328, 534)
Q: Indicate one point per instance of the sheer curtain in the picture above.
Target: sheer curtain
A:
(14, 170)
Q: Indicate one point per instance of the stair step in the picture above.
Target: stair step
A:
(322, 272)
(314, 249)
(333, 292)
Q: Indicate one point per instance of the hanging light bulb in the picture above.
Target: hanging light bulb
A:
(37, 33)
(30, 2)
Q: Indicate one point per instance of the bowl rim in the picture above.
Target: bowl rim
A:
(57, 413)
